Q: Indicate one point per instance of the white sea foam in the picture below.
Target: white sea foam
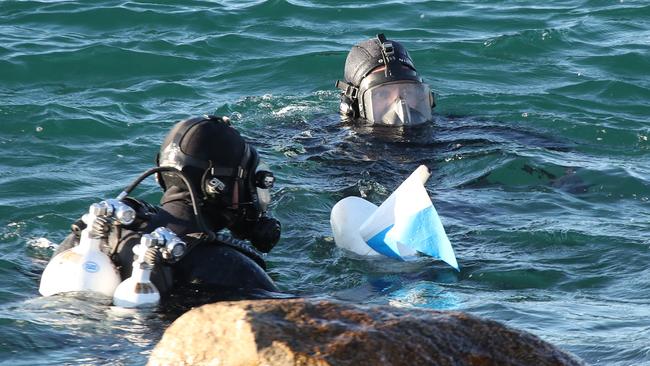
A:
(42, 243)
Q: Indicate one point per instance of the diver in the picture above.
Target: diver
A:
(215, 201)
(382, 85)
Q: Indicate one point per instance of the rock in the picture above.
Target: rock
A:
(318, 333)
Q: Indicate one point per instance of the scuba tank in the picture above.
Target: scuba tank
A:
(138, 290)
(85, 267)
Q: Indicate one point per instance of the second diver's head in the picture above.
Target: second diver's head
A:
(382, 85)
(225, 170)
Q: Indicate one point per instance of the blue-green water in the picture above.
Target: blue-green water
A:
(539, 154)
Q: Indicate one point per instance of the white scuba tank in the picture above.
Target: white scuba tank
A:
(138, 290)
(84, 267)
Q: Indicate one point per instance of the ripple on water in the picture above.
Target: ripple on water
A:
(538, 154)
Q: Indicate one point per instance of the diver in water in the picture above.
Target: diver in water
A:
(212, 180)
(382, 85)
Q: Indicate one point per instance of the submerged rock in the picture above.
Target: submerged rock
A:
(309, 332)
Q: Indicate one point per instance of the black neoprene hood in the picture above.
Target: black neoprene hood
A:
(194, 144)
(209, 139)
(367, 55)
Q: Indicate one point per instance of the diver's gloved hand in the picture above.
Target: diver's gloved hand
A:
(265, 233)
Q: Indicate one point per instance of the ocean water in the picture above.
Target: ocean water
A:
(539, 155)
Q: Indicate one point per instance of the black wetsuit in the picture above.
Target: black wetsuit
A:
(224, 264)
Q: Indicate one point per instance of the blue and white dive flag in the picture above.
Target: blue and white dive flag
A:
(406, 223)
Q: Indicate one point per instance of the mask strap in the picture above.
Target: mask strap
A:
(348, 90)
(241, 172)
(387, 54)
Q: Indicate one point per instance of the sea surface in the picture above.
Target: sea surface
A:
(539, 155)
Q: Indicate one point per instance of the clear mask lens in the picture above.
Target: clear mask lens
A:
(398, 103)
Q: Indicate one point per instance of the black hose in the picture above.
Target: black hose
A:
(192, 190)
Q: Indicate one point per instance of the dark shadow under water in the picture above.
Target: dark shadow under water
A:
(388, 154)
(183, 300)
